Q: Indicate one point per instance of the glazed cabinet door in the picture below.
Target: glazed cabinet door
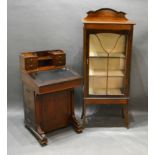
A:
(107, 55)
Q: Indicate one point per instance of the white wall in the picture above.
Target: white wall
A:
(47, 24)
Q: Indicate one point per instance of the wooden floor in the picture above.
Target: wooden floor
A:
(97, 139)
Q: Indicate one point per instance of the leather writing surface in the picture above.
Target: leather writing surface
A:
(53, 76)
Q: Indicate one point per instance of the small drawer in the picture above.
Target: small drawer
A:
(57, 54)
(30, 60)
(31, 63)
(58, 58)
(30, 67)
(62, 56)
(59, 62)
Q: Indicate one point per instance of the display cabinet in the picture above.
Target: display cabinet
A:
(107, 59)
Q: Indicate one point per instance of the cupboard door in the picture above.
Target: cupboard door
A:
(56, 110)
(107, 64)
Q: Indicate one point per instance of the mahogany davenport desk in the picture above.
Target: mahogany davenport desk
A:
(49, 100)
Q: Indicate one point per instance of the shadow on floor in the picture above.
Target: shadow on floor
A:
(111, 116)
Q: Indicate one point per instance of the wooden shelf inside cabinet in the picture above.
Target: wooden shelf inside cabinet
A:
(102, 55)
(107, 59)
(113, 73)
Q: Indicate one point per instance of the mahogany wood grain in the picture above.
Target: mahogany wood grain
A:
(107, 20)
(49, 96)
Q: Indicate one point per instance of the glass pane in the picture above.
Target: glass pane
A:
(97, 66)
(106, 64)
(115, 86)
(107, 44)
(97, 76)
(116, 63)
(97, 85)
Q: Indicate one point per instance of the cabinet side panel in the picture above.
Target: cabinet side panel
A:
(29, 106)
(128, 62)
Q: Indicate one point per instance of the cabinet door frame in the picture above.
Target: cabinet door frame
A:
(128, 51)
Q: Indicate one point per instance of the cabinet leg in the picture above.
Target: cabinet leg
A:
(125, 114)
(83, 110)
(76, 124)
(122, 112)
(83, 116)
(39, 134)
